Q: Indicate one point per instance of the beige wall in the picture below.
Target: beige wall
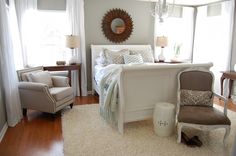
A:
(95, 10)
(51, 4)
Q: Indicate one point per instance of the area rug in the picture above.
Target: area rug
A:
(85, 133)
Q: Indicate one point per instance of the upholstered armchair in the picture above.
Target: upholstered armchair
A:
(40, 91)
(195, 103)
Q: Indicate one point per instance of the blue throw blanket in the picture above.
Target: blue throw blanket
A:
(108, 99)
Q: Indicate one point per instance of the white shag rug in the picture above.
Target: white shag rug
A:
(85, 133)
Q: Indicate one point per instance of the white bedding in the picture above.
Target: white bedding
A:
(100, 70)
(98, 73)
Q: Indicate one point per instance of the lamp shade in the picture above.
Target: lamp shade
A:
(162, 41)
(72, 41)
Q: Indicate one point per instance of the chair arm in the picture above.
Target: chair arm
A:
(60, 81)
(32, 86)
(225, 101)
(36, 96)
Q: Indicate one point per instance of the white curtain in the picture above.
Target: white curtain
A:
(8, 71)
(24, 21)
(75, 9)
(214, 37)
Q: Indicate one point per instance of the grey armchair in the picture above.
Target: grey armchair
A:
(195, 103)
(40, 91)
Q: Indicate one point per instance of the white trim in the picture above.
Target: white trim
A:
(3, 131)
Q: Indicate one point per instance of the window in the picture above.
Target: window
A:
(213, 38)
(179, 30)
(45, 37)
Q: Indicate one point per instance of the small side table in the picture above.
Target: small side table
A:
(231, 75)
(169, 62)
(164, 118)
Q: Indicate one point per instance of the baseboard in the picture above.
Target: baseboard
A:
(3, 131)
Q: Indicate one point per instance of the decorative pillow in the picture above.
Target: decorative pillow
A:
(115, 57)
(41, 77)
(102, 59)
(147, 55)
(133, 59)
(26, 76)
(196, 98)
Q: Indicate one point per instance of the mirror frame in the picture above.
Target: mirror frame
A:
(106, 25)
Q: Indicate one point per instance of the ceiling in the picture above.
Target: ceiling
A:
(188, 2)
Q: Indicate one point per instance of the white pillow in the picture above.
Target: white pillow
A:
(100, 61)
(26, 76)
(115, 57)
(41, 77)
(147, 55)
(133, 59)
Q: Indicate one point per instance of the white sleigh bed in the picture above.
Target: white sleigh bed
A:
(141, 86)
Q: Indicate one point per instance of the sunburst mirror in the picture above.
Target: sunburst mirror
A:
(117, 25)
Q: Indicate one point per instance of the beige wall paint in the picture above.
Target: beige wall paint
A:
(95, 10)
(51, 4)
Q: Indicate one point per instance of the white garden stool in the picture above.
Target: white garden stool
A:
(164, 118)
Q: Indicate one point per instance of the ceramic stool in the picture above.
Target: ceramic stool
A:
(164, 118)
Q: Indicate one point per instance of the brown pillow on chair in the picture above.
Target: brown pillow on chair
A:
(195, 98)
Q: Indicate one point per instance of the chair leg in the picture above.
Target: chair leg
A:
(71, 105)
(179, 129)
(227, 131)
(24, 111)
(54, 116)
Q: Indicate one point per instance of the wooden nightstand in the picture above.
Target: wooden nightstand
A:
(231, 75)
(167, 62)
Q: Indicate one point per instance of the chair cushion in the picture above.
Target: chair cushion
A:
(202, 115)
(60, 93)
(41, 77)
(197, 98)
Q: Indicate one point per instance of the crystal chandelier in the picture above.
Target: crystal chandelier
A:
(161, 9)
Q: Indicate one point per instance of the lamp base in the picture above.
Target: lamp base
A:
(161, 57)
(73, 63)
(61, 63)
(73, 60)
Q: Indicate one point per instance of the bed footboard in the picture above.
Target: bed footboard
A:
(141, 87)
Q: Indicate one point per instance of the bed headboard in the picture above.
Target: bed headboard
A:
(96, 49)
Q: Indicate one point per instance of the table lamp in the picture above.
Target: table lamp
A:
(72, 42)
(161, 42)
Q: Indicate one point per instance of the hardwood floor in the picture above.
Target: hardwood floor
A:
(40, 134)
(230, 105)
